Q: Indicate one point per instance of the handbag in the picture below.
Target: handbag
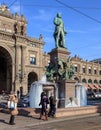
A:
(14, 112)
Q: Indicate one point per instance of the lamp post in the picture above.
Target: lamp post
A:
(15, 74)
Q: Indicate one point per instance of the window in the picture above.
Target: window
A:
(90, 81)
(95, 81)
(100, 72)
(84, 81)
(100, 82)
(32, 59)
(89, 71)
(95, 72)
(33, 44)
(83, 70)
(75, 68)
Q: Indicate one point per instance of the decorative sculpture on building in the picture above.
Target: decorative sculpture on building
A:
(59, 33)
(16, 28)
(63, 70)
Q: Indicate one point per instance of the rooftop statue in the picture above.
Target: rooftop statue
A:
(59, 33)
(4, 10)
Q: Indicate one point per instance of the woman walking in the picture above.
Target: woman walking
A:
(12, 105)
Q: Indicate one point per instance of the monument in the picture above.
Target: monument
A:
(60, 70)
(59, 74)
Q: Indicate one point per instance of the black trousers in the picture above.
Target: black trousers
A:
(11, 121)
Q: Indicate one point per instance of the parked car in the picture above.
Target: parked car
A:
(90, 94)
(24, 101)
(97, 94)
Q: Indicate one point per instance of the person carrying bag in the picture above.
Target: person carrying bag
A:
(12, 105)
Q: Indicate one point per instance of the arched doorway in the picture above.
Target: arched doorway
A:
(32, 77)
(5, 70)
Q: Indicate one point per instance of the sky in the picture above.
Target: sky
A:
(82, 21)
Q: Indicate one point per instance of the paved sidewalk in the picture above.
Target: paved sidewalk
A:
(22, 122)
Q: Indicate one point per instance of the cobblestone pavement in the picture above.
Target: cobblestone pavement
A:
(87, 122)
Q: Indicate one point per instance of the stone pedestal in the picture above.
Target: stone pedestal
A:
(61, 53)
(66, 90)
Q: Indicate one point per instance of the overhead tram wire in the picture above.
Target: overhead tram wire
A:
(66, 5)
(53, 6)
(12, 3)
(20, 7)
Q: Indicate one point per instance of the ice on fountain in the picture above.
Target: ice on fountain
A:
(72, 104)
(81, 95)
(34, 94)
(43, 79)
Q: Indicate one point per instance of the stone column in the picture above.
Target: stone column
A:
(61, 94)
(22, 62)
(23, 80)
(17, 51)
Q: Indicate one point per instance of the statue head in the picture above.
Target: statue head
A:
(59, 15)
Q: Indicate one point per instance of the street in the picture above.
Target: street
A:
(77, 124)
(92, 122)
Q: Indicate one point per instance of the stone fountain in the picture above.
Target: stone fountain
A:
(37, 88)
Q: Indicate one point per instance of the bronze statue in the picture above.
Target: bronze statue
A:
(59, 33)
(63, 70)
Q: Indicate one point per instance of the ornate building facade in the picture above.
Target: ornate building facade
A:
(21, 57)
(87, 72)
(22, 60)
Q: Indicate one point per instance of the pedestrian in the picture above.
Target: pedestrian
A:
(44, 102)
(50, 105)
(12, 105)
(18, 93)
(52, 109)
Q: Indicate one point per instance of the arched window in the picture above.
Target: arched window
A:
(77, 79)
(100, 82)
(84, 81)
(95, 81)
(89, 81)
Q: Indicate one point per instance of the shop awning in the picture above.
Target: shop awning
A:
(91, 86)
(87, 86)
(96, 86)
(99, 86)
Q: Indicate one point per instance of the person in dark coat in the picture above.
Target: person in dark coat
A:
(50, 105)
(44, 102)
(52, 109)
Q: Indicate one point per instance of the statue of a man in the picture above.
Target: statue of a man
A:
(59, 33)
